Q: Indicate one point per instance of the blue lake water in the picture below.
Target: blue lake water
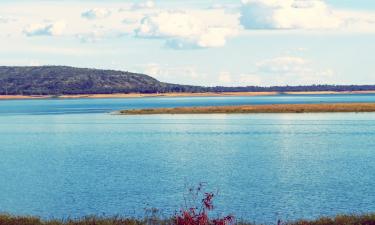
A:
(69, 158)
(69, 106)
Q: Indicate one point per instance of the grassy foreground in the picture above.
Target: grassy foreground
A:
(277, 108)
(13, 220)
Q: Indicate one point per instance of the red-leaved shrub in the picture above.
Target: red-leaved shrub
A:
(198, 215)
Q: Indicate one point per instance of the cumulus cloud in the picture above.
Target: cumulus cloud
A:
(181, 29)
(174, 74)
(291, 70)
(4, 19)
(284, 64)
(89, 37)
(357, 21)
(49, 29)
(165, 71)
(225, 78)
(282, 70)
(229, 79)
(302, 14)
(251, 80)
(144, 5)
(288, 14)
(96, 13)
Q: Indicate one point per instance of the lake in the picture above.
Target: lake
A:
(74, 106)
(70, 158)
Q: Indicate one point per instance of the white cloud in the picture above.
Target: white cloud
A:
(144, 5)
(174, 74)
(287, 14)
(225, 78)
(283, 70)
(183, 29)
(96, 13)
(284, 64)
(89, 37)
(302, 14)
(250, 80)
(34, 63)
(4, 19)
(228, 79)
(291, 70)
(49, 29)
(357, 21)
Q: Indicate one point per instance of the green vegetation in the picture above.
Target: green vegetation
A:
(17, 220)
(64, 80)
(59, 80)
(277, 108)
(92, 220)
(196, 212)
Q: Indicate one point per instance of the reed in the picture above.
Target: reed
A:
(277, 108)
(368, 219)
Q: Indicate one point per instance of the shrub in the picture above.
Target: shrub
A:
(197, 214)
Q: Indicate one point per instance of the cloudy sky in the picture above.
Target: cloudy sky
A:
(204, 42)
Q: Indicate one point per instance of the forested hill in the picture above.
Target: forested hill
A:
(58, 80)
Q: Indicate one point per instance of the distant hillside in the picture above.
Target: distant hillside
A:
(59, 80)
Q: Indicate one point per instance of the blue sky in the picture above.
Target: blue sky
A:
(213, 42)
(351, 4)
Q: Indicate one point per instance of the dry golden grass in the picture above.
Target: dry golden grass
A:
(279, 108)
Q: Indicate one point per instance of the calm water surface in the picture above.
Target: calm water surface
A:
(65, 106)
(61, 158)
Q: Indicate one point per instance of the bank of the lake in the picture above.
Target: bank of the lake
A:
(368, 219)
(275, 108)
(182, 94)
(143, 95)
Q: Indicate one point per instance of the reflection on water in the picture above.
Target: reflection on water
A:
(265, 166)
(74, 106)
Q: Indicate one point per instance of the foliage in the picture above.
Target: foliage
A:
(59, 80)
(198, 214)
(338, 220)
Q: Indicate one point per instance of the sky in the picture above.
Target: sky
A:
(198, 42)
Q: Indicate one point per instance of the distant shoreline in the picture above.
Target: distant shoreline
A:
(176, 94)
(274, 108)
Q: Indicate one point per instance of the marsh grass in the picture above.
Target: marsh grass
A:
(198, 204)
(5, 219)
(277, 108)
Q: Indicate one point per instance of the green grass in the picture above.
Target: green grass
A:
(92, 220)
(5, 219)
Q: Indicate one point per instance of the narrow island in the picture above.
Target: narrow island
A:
(276, 108)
